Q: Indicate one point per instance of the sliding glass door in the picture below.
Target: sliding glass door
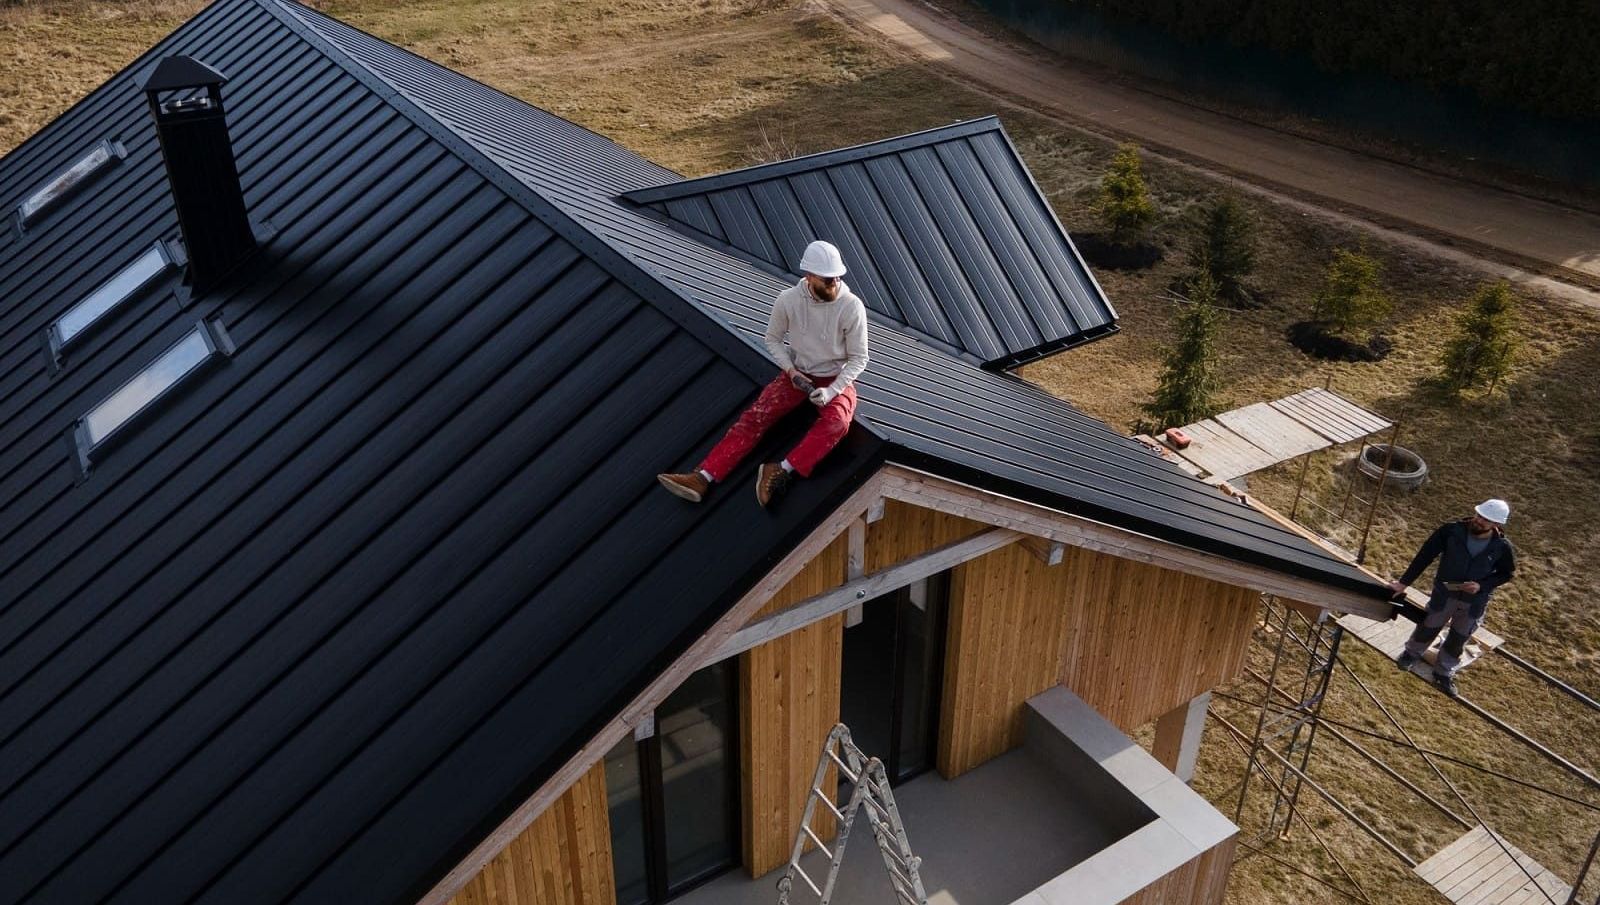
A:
(673, 797)
(892, 672)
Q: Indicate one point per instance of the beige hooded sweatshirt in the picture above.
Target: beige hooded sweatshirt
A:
(826, 339)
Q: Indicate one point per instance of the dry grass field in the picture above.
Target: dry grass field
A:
(703, 85)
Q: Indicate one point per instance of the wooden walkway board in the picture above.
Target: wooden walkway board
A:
(1390, 637)
(1249, 439)
(1273, 431)
(1478, 869)
(1222, 453)
(1331, 415)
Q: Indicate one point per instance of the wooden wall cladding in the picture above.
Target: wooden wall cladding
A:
(562, 858)
(1142, 640)
(906, 530)
(788, 701)
(1133, 640)
(1007, 620)
(1203, 880)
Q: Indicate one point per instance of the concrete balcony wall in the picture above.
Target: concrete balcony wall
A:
(1172, 846)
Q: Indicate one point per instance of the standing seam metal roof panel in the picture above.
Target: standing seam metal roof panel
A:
(975, 205)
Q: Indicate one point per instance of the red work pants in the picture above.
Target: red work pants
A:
(779, 398)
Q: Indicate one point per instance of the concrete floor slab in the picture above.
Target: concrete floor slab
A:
(985, 838)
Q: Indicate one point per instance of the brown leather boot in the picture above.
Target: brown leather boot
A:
(771, 482)
(691, 486)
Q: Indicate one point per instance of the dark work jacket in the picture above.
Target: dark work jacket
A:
(1490, 569)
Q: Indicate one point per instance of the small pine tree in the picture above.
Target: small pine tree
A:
(1482, 350)
(1189, 366)
(1226, 247)
(1124, 204)
(1352, 300)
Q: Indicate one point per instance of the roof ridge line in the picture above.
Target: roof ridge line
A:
(721, 339)
(761, 171)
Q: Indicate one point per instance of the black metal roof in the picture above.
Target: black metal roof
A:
(944, 231)
(319, 624)
(940, 411)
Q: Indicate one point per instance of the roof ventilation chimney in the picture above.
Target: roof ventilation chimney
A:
(185, 98)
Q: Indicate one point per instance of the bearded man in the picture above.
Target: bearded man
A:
(826, 327)
(1474, 558)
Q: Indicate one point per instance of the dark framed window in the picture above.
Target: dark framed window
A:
(673, 797)
(126, 283)
(69, 181)
(110, 418)
(893, 672)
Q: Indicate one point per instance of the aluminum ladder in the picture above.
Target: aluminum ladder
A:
(869, 794)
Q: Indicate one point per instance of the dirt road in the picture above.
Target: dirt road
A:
(1458, 219)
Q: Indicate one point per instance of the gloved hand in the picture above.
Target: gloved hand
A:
(821, 396)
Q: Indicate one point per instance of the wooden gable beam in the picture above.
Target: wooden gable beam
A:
(862, 589)
(920, 488)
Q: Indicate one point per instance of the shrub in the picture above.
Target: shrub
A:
(1226, 248)
(1484, 344)
(1124, 203)
(1189, 366)
(1352, 301)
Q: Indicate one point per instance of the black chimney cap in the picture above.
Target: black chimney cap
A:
(177, 72)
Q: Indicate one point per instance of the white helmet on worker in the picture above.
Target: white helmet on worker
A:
(822, 259)
(1496, 511)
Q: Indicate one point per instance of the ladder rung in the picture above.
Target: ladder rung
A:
(896, 873)
(883, 811)
(825, 849)
(900, 863)
(826, 803)
(807, 877)
(905, 894)
(844, 768)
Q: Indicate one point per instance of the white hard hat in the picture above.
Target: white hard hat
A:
(822, 259)
(1496, 511)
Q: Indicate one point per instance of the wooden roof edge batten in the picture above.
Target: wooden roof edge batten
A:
(1312, 536)
(945, 495)
(701, 651)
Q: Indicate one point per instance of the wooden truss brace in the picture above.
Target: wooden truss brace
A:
(864, 588)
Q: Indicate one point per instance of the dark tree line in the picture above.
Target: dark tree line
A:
(1536, 55)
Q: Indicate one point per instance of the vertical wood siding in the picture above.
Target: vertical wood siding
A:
(1131, 639)
(906, 530)
(562, 858)
(1142, 640)
(1008, 616)
(788, 701)
(1203, 880)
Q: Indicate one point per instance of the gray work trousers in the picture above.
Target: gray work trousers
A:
(1456, 612)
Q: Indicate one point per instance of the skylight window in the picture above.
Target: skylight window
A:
(158, 379)
(99, 158)
(129, 280)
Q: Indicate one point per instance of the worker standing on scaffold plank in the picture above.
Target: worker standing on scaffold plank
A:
(826, 325)
(1474, 558)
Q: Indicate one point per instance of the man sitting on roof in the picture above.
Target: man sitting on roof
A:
(827, 329)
